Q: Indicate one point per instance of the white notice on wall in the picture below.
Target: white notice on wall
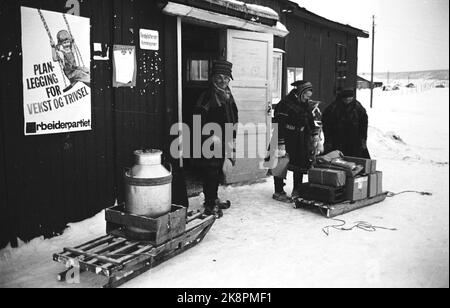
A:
(124, 65)
(149, 39)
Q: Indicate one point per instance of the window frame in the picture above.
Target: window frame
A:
(189, 63)
(298, 71)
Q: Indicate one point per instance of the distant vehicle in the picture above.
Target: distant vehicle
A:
(440, 86)
(411, 86)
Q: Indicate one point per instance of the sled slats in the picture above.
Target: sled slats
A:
(95, 243)
(121, 259)
(92, 244)
(91, 255)
(100, 250)
(129, 255)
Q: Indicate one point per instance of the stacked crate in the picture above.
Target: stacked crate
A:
(330, 185)
(369, 175)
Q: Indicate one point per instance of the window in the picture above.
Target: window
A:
(277, 77)
(341, 66)
(294, 74)
(198, 70)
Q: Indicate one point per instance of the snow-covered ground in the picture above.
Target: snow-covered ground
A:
(262, 243)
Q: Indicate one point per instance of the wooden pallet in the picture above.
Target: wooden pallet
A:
(121, 260)
(334, 210)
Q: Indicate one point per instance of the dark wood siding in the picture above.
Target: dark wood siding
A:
(313, 57)
(352, 56)
(296, 42)
(313, 48)
(56, 179)
(141, 112)
(5, 220)
(328, 66)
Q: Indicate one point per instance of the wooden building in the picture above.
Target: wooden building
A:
(48, 181)
(362, 83)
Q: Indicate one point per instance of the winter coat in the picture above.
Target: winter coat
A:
(298, 124)
(215, 109)
(345, 128)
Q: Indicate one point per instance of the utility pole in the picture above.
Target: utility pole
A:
(373, 61)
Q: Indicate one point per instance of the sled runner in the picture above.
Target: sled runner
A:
(334, 210)
(121, 259)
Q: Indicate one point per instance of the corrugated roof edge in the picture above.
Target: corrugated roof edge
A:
(303, 13)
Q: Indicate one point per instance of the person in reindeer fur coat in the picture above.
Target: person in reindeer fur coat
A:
(345, 124)
(217, 105)
(299, 135)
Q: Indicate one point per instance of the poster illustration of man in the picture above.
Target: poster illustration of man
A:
(56, 72)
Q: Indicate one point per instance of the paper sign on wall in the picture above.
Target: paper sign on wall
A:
(101, 52)
(149, 39)
(124, 71)
(56, 72)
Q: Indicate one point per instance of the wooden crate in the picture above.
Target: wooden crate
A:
(160, 229)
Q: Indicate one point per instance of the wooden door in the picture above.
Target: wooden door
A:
(252, 56)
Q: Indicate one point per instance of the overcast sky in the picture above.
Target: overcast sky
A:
(411, 35)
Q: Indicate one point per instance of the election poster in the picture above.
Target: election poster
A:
(56, 72)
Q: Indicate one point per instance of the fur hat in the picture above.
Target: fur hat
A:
(302, 86)
(222, 67)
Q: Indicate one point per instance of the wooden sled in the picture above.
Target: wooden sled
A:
(334, 210)
(121, 260)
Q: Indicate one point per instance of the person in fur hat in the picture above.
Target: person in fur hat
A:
(299, 131)
(345, 126)
(217, 105)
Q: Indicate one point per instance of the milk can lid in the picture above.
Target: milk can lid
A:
(149, 152)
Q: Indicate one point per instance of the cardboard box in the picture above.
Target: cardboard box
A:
(369, 165)
(374, 166)
(373, 185)
(357, 188)
(379, 182)
(327, 177)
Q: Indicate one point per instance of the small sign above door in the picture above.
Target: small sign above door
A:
(149, 39)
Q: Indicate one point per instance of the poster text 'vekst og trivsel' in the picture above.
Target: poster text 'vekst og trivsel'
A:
(44, 76)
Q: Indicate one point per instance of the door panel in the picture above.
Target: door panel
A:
(252, 57)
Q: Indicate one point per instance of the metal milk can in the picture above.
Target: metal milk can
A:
(148, 186)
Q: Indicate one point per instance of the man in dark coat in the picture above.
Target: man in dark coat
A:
(217, 106)
(345, 124)
(299, 128)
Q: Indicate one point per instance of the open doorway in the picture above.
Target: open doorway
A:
(252, 56)
(200, 46)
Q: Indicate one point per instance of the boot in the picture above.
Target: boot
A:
(211, 208)
(223, 205)
(282, 197)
